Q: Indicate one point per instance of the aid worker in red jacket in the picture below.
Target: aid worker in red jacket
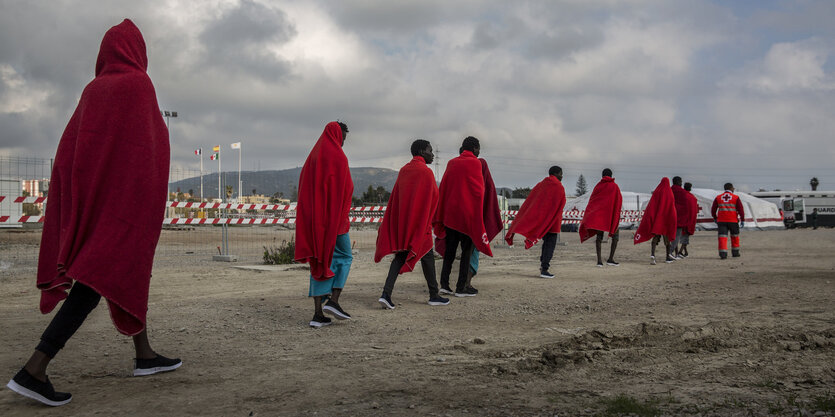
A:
(729, 215)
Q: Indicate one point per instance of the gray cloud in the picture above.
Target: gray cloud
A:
(649, 88)
(240, 40)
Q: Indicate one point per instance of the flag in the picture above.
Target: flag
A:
(198, 151)
(216, 148)
(236, 145)
(214, 156)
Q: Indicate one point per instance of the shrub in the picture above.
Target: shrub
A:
(280, 255)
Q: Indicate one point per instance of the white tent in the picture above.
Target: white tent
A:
(759, 213)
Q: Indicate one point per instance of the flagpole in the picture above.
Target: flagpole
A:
(240, 194)
(219, 194)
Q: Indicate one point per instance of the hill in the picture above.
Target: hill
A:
(282, 181)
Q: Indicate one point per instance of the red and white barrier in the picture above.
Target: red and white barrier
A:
(185, 221)
(375, 213)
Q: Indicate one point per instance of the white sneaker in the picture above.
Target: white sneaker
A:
(652, 260)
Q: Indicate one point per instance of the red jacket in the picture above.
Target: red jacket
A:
(727, 207)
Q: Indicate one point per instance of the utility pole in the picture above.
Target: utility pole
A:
(438, 164)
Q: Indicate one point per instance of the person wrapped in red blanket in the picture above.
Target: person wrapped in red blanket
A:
(325, 189)
(659, 220)
(459, 218)
(540, 217)
(690, 226)
(682, 203)
(406, 230)
(492, 220)
(602, 216)
(97, 242)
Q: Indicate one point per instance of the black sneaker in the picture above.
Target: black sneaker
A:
(600, 264)
(385, 301)
(446, 290)
(26, 385)
(466, 292)
(320, 321)
(437, 300)
(669, 259)
(545, 274)
(333, 308)
(612, 263)
(144, 367)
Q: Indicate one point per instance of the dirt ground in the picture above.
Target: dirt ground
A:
(702, 336)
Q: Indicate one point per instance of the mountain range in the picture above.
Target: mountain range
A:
(283, 181)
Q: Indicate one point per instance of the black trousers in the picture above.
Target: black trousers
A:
(427, 263)
(453, 239)
(549, 243)
(81, 301)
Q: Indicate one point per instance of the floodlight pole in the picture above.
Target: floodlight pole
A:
(168, 114)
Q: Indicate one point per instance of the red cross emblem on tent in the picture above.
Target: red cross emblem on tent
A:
(726, 197)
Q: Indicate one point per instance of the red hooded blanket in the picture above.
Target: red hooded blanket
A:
(659, 216)
(461, 202)
(407, 223)
(693, 213)
(325, 189)
(107, 191)
(541, 213)
(603, 210)
(682, 206)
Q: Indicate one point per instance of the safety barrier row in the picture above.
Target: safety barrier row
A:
(374, 213)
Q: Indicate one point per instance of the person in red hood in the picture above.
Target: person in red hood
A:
(459, 218)
(690, 228)
(602, 215)
(683, 207)
(406, 230)
(325, 190)
(95, 243)
(540, 217)
(659, 220)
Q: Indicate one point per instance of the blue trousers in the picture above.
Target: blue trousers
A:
(474, 262)
(340, 265)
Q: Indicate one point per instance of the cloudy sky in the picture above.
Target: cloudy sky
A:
(714, 91)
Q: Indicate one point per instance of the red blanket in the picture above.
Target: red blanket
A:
(492, 214)
(325, 189)
(682, 206)
(659, 216)
(107, 191)
(541, 213)
(407, 223)
(603, 210)
(693, 213)
(461, 202)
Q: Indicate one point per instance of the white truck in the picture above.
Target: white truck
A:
(803, 208)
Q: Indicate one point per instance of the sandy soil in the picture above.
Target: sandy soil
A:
(747, 336)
